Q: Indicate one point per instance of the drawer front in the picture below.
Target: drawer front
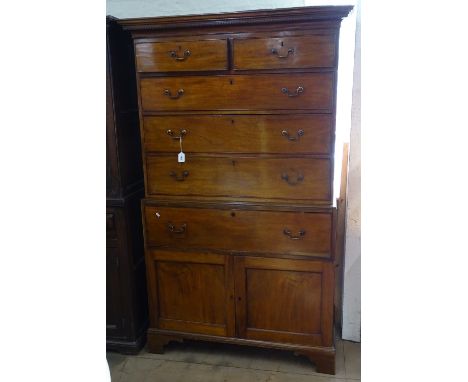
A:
(285, 52)
(240, 92)
(176, 56)
(247, 176)
(295, 233)
(300, 133)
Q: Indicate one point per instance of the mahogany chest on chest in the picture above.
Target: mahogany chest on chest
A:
(240, 231)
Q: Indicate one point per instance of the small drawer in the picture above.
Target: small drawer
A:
(176, 56)
(304, 91)
(313, 51)
(265, 231)
(256, 177)
(295, 133)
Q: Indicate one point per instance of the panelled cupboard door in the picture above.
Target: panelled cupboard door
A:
(113, 293)
(191, 292)
(288, 301)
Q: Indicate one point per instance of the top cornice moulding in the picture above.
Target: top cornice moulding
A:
(303, 14)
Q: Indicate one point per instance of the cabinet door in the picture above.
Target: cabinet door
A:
(113, 294)
(191, 292)
(282, 300)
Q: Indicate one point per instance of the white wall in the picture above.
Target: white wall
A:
(149, 8)
(344, 93)
(352, 262)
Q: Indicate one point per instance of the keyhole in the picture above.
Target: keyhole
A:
(281, 43)
(230, 81)
(233, 214)
(232, 121)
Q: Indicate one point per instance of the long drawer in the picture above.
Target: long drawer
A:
(299, 133)
(264, 177)
(285, 52)
(275, 232)
(313, 91)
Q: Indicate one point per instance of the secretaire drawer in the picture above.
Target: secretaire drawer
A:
(297, 133)
(239, 92)
(296, 233)
(265, 177)
(176, 56)
(285, 52)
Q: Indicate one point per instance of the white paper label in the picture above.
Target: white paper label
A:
(181, 157)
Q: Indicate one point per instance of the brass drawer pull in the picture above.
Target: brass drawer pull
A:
(299, 178)
(288, 233)
(181, 178)
(299, 134)
(176, 57)
(290, 52)
(181, 134)
(298, 91)
(172, 228)
(180, 93)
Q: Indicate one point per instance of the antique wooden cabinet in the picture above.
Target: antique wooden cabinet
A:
(127, 308)
(237, 119)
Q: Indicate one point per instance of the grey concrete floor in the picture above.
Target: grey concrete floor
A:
(209, 362)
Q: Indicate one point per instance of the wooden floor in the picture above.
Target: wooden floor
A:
(209, 362)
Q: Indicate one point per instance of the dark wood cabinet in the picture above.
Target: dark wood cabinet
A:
(240, 234)
(127, 309)
(114, 318)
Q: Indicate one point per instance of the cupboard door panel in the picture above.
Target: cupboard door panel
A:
(113, 294)
(298, 312)
(283, 300)
(193, 292)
